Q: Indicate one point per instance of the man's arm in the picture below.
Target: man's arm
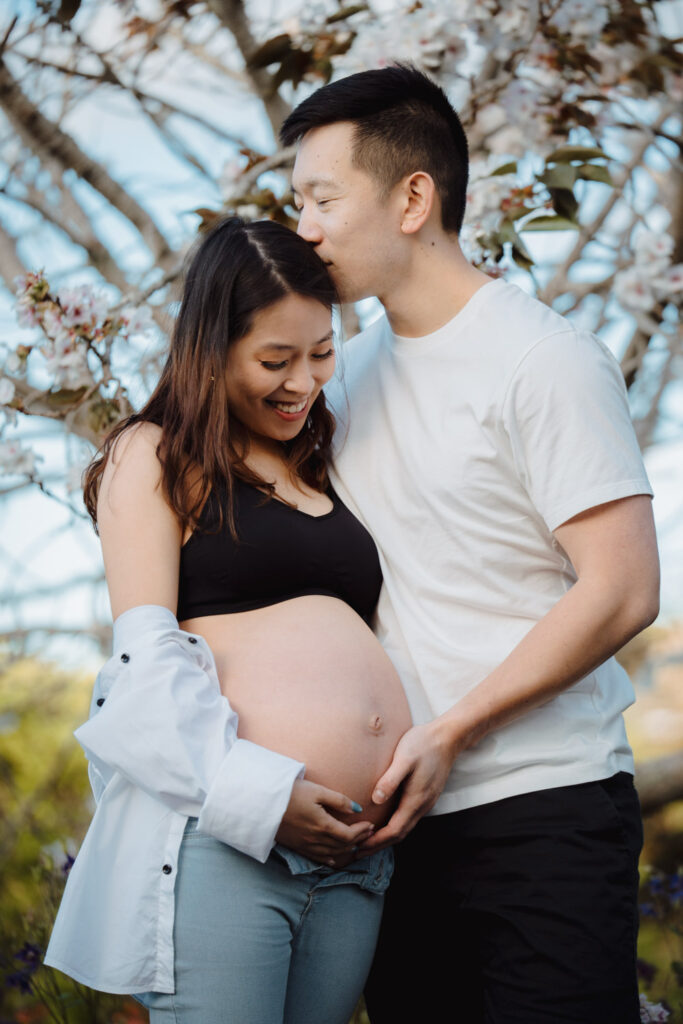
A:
(613, 550)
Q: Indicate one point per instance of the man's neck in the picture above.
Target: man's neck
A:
(435, 288)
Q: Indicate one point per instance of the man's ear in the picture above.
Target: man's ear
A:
(419, 196)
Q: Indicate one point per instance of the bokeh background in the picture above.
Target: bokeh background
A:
(128, 126)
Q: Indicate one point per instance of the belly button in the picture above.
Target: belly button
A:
(376, 723)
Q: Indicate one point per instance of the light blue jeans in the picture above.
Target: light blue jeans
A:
(285, 942)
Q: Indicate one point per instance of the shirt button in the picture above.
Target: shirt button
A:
(100, 702)
(125, 658)
(192, 639)
(167, 869)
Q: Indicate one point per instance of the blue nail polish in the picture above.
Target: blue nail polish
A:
(356, 808)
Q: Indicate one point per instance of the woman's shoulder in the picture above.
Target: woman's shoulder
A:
(133, 461)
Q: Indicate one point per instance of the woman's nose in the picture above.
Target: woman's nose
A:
(300, 380)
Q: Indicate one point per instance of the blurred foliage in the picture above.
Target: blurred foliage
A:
(45, 806)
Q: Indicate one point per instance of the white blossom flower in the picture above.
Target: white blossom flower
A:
(74, 477)
(229, 176)
(670, 282)
(490, 118)
(7, 390)
(66, 361)
(652, 1013)
(15, 459)
(249, 211)
(616, 61)
(420, 37)
(509, 140)
(633, 289)
(52, 321)
(520, 103)
(583, 19)
(26, 313)
(12, 363)
(653, 249)
(82, 306)
(136, 319)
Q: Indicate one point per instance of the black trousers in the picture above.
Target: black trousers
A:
(522, 911)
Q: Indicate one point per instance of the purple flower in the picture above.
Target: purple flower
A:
(30, 955)
(646, 971)
(20, 980)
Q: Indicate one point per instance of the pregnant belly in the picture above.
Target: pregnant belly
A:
(309, 679)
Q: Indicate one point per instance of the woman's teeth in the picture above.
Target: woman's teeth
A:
(287, 407)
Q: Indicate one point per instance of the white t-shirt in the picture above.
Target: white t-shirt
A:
(461, 452)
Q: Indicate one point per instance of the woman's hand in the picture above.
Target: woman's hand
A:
(309, 827)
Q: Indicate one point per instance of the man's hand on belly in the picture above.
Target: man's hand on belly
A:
(310, 829)
(421, 764)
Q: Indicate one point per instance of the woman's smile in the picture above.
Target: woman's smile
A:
(290, 410)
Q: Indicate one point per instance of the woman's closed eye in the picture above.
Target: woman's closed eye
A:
(319, 356)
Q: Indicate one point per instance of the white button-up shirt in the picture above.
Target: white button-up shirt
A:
(162, 746)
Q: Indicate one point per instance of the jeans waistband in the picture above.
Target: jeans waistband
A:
(372, 872)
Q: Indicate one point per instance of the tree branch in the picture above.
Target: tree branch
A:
(48, 140)
(231, 13)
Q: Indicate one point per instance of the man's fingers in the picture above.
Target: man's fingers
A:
(387, 785)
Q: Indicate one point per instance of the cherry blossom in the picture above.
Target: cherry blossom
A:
(633, 289)
(652, 1013)
(7, 390)
(16, 459)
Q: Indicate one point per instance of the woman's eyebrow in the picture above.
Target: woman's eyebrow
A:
(279, 347)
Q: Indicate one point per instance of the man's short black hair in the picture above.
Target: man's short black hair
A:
(403, 122)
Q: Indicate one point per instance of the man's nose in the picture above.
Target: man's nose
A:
(308, 228)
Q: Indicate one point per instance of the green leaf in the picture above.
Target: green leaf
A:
(65, 396)
(548, 223)
(345, 12)
(565, 203)
(508, 233)
(508, 168)
(521, 259)
(560, 176)
(271, 52)
(595, 172)
(565, 154)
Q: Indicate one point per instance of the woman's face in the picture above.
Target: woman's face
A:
(275, 372)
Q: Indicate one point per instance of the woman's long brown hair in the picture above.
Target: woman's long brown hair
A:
(239, 269)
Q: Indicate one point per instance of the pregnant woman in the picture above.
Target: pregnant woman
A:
(247, 711)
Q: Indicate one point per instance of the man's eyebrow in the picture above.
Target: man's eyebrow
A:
(312, 183)
(270, 345)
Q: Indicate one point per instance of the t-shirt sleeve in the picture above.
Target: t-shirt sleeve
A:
(566, 414)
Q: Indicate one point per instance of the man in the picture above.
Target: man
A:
(490, 452)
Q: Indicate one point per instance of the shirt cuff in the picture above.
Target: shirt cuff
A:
(248, 798)
(133, 625)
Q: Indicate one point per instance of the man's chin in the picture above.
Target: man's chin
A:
(349, 292)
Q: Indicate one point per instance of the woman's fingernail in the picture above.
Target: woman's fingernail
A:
(379, 796)
(356, 808)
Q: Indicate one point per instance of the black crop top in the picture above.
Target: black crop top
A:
(282, 553)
